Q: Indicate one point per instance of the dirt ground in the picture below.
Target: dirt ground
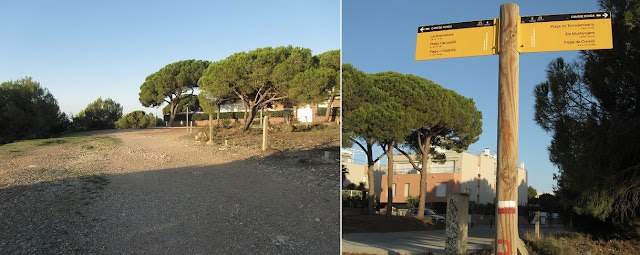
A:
(159, 191)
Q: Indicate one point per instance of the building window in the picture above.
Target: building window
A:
(441, 189)
(406, 190)
(447, 167)
(394, 190)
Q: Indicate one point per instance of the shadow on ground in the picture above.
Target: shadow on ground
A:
(282, 203)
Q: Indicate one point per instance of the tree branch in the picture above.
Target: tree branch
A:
(358, 143)
(408, 157)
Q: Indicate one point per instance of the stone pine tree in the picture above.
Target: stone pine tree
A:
(397, 122)
(319, 84)
(443, 119)
(258, 78)
(591, 109)
(169, 83)
(356, 86)
(380, 119)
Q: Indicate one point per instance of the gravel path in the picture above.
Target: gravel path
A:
(169, 195)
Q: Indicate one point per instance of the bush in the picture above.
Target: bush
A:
(199, 116)
(482, 209)
(135, 120)
(101, 114)
(29, 111)
(412, 202)
(322, 111)
(353, 198)
(546, 245)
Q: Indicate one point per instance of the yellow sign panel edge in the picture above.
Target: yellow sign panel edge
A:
(609, 39)
(494, 47)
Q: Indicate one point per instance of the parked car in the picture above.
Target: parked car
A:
(427, 213)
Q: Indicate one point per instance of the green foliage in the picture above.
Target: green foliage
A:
(393, 108)
(546, 245)
(100, 114)
(170, 82)
(136, 120)
(29, 111)
(591, 109)
(318, 83)
(412, 202)
(531, 192)
(322, 111)
(353, 198)
(317, 128)
(259, 77)
(185, 100)
(207, 103)
(482, 209)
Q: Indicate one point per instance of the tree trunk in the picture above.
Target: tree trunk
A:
(389, 179)
(218, 116)
(424, 173)
(172, 115)
(371, 200)
(253, 110)
(330, 106)
(246, 106)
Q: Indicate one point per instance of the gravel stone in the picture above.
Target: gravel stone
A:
(158, 192)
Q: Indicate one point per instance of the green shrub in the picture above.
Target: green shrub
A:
(546, 245)
(412, 202)
(353, 198)
(29, 111)
(322, 111)
(135, 120)
(199, 116)
(101, 114)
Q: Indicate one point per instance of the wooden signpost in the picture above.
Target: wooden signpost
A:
(515, 35)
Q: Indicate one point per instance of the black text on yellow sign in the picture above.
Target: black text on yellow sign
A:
(578, 31)
(465, 39)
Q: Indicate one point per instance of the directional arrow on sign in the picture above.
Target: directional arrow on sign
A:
(605, 15)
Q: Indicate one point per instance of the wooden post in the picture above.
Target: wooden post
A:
(507, 186)
(188, 120)
(210, 142)
(265, 127)
(537, 224)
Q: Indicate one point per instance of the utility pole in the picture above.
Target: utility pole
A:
(507, 187)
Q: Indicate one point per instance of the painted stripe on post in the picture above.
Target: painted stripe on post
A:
(503, 204)
(506, 210)
(506, 243)
(506, 207)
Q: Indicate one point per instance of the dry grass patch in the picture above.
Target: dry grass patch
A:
(578, 243)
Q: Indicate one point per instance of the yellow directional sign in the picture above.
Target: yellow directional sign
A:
(465, 39)
(578, 31)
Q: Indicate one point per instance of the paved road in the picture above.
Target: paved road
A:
(418, 242)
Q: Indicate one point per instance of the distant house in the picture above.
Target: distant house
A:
(461, 172)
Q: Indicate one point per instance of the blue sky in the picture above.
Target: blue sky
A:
(82, 50)
(380, 36)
